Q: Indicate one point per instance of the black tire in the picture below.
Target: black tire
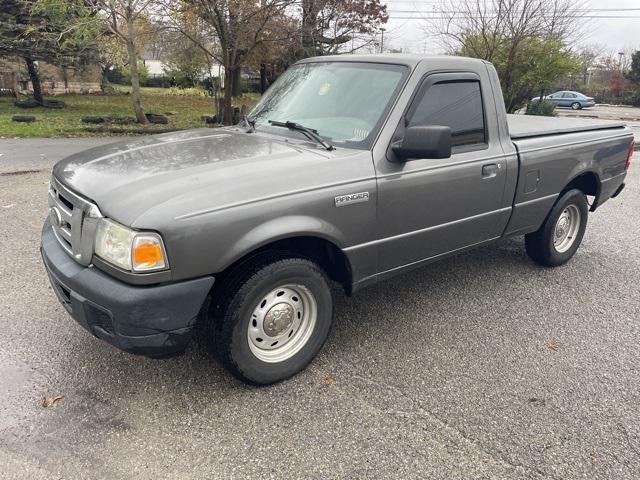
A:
(243, 291)
(540, 244)
(576, 106)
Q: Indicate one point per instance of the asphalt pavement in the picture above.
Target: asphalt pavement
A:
(627, 114)
(21, 155)
(480, 366)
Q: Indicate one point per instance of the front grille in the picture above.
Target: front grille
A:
(73, 220)
(61, 225)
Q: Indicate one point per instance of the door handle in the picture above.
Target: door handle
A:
(490, 170)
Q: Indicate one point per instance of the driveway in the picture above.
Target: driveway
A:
(481, 366)
(40, 153)
(629, 115)
(605, 112)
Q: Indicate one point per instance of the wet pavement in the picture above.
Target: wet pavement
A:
(481, 366)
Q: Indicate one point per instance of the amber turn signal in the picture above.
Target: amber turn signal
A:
(147, 253)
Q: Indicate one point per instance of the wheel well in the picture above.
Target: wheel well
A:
(588, 183)
(323, 252)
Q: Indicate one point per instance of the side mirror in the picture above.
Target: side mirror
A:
(433, 141)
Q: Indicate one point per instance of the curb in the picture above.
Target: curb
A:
(614, 105)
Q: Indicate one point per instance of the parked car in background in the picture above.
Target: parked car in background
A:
(575, 100)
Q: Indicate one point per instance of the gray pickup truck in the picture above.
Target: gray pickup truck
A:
(351, 169)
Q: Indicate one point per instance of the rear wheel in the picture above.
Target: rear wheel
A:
(559, 237)
(271, 318)
(576, 106)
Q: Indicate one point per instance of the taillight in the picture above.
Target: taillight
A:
(632, 148)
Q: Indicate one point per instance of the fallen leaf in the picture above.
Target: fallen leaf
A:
(51, 401)
(553, 346)
(329, 380)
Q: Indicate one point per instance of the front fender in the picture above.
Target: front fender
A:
(279, 229)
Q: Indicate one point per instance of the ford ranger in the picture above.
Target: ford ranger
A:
(350, 169)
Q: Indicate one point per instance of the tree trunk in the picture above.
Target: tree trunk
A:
(135, 82)
(236, 76)
(309, 26)
(13, 84)
(263, 78)
(35, 79)
(227, 114)
(104, 82)
(506, 81)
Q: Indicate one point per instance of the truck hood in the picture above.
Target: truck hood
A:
(126, 179)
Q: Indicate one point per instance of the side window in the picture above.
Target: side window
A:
(570, 95)
(453, 104)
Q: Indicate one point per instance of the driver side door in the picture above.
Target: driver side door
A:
(431, 207)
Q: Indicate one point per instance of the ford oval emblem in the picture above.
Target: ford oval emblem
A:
(55, 216)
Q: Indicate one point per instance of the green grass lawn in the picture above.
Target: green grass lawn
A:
(183, 109)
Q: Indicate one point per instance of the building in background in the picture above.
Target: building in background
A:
(157, 67)
(55, 80)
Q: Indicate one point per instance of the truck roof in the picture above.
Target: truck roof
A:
(396, 58)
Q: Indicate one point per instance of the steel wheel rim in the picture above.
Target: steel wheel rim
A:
(566, 229)
(282, 323)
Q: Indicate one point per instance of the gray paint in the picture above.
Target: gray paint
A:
(526, 126)
(217, 195)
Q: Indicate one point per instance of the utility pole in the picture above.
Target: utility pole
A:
(620, 54)
(382, 41)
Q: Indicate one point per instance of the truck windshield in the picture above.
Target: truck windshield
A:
(344, 102)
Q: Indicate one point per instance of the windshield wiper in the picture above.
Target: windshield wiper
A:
(249, 122)
(309, 132)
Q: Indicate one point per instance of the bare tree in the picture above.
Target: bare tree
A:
(330, 26)
(499, 30)
(587, 57)
(239, 28)
(128, 22)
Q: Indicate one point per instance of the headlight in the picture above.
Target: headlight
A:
(129, 249)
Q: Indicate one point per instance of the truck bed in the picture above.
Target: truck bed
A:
(530, 126)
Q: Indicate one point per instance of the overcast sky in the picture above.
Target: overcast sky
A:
(614, 34)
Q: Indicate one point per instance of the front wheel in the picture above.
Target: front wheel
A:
(559, 237)
(576, 106)
(271, 319)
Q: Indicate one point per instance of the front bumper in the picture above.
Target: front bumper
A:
(155, 321)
